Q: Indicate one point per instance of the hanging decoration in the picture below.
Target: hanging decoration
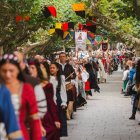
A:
(19, 18)
(104, 46)
(91, 27)
(48, 11)
(79, 9)
(52, 10)
(59, 32)
(58, 26)
(71, 25)
(65, 26)
(80, 40)
(80, 26)
(22, 18)
(26, 18)
(51, 31)
(65, 34)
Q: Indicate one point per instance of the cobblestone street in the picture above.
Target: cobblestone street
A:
(105, 117)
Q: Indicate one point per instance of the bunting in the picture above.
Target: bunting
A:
(58, 26)
(51, 31)
(48, 11)
(65, 26)
(22, 18)
(79, 9)
(52, 10)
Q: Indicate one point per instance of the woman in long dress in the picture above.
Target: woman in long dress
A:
(60, 96)
(23, 97)
(50, 120)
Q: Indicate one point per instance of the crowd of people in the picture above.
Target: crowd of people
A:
(131, 83)
(38, 96)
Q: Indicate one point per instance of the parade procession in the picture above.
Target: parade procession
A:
(69, 70)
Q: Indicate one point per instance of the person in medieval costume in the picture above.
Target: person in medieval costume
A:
(68, 71)
(102, 76)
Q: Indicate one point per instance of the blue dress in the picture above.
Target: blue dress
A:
(7, 115)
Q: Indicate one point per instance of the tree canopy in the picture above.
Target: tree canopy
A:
(116, 18)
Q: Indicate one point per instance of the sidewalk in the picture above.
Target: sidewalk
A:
(105, 117)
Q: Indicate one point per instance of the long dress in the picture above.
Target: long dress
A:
(60, 98)
(28, 114)
(7, 115)
(51, 116)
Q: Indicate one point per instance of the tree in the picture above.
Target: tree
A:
(117, 18)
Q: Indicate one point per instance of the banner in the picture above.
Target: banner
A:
(80, 40)
(104, 46)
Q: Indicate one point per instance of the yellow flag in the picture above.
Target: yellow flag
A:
(78, 7)
(58, 25)
(65, 34)
(51, 31)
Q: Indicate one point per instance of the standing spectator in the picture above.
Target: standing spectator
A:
(138, 85)
(125, 78)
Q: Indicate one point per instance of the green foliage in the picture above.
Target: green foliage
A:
(121, 12)
(13, 34)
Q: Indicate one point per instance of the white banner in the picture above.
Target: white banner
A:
(80, 40)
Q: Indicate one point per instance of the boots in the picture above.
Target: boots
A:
(70, 110)
(132, 117)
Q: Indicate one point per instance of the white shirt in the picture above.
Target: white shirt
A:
(63, 94)
(125, 75)
(41, 100)
(16, 103)
(85, 76)
(63, 66)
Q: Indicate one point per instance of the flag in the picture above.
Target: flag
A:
(18, 18)
(78, 7)
(52, 10)
(65, 34)
(46, 12)
(65, 26)
(80, 40)
(59, 32)
(26, 18)
(51, 31)
(81, 13)
(71, 25)
(58, 26)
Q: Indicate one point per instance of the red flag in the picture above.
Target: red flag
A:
(65, 26)
(18, 18)
(80, 26)
(89, 23)
(26, 18)
(52, 10)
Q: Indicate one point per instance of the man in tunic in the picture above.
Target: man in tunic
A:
(68, 71)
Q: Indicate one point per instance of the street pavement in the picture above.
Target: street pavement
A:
(105, 117)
